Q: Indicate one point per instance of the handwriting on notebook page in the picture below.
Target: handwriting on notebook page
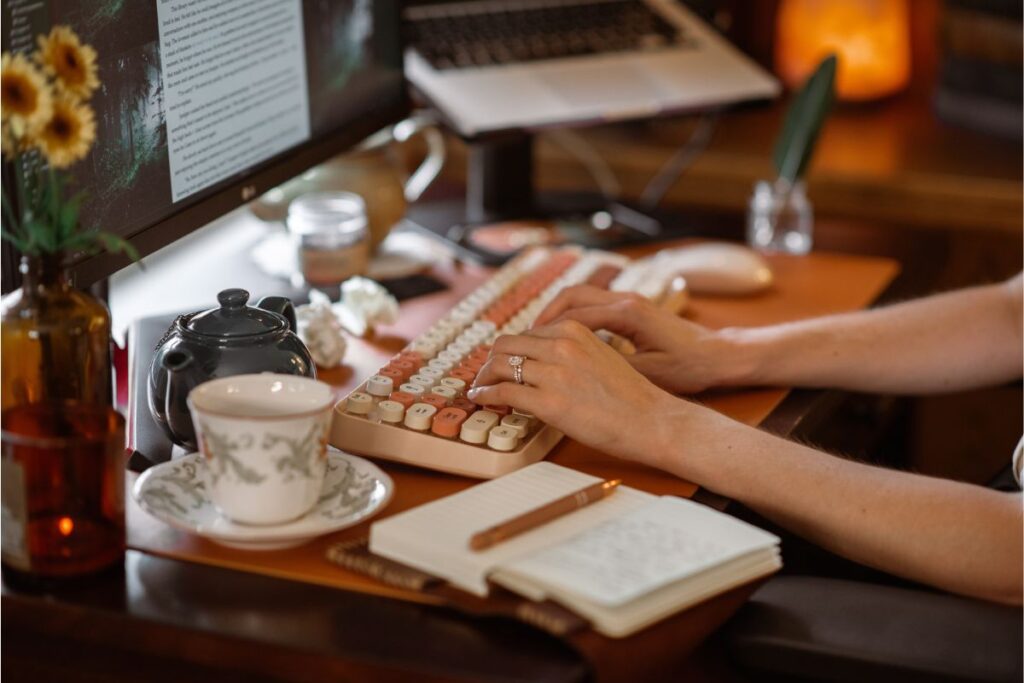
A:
(646, 549)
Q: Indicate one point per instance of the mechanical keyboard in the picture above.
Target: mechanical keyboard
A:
(414, 410)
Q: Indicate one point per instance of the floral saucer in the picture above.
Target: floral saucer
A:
(175, 492)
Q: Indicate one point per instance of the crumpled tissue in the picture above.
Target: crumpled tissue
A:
(320, 330)
(364, 304)
(322, 323)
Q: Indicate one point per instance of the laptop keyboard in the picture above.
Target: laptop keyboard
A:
(495, 32)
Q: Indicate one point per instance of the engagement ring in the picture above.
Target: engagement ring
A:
(517, 367)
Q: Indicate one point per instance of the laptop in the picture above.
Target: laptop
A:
(498, 65)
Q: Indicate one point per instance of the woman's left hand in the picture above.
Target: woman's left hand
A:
(581, 386)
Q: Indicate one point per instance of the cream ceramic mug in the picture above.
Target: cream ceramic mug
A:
(264, 439)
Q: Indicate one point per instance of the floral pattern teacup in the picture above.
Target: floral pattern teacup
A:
(264, 439)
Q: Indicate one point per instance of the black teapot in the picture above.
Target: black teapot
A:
(233, 339)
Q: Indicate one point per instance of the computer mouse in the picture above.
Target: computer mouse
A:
(720, 268)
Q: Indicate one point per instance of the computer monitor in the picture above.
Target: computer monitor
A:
(206, 104)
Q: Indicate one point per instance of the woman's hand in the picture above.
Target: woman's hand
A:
(675, 354)
(577, 383)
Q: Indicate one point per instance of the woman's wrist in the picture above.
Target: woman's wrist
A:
(661, 444)
(699, 445)
(740, 357)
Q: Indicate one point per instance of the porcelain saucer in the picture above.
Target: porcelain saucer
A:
(175, 492)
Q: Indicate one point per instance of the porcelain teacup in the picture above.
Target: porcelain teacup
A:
(264, 438)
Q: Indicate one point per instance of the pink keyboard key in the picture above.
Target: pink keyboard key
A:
(439, 402)
(465, 375)
(448, 422)
(407, 367)
(395, 374)
(473, 365)
(463, 403)
(413, 356)
(404, 398)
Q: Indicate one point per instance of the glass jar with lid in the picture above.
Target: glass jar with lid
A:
(330, 230)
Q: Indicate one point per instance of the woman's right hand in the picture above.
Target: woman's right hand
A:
(674, 353)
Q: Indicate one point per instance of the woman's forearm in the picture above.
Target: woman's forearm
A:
(955, 536)
(948, 342)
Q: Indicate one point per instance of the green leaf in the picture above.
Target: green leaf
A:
(82, 241)
(40, 235)
(116, 244)
(67, 222)
(17, 240)
(795, 146)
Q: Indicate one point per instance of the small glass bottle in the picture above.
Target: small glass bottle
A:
(780, 218)
(332, 235)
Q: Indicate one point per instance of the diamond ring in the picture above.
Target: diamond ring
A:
(517, 367)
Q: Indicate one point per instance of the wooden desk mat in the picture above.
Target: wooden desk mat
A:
(813, 285)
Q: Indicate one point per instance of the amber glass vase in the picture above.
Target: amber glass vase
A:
(62, 466)
(55, 339)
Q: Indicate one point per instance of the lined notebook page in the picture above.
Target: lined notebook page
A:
(435, 537)
(623, 558)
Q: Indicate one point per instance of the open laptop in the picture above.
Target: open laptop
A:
(494, 65)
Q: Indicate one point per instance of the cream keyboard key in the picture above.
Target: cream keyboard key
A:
(455, 384)
(424, 347)
(450, 356)
(391, 411)
(445, 392)
(520, 423)
(380, 386)
(435, 373)
(476, 428)
(438, 364)
(419, 416)
(424, 381)
(460, 347)
(503, 439)
(412, 388)
(359, 403)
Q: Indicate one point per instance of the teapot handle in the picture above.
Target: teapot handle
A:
(282, 305)
(425, 123)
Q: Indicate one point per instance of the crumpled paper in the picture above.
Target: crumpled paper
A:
(320, 330)
(322, 323)
(364, 304)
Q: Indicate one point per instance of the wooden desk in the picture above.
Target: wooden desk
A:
(167, 618)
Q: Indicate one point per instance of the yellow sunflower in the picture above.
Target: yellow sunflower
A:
(69, 133)
(25, 101)
(72, 64)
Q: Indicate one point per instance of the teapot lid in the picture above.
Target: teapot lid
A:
(234, 319)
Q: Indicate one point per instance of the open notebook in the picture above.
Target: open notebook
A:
(623, 563)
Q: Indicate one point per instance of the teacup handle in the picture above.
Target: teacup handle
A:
(425, 123)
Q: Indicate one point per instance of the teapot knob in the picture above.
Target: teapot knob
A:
(233, 298)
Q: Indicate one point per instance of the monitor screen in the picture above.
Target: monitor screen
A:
(205, 104)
